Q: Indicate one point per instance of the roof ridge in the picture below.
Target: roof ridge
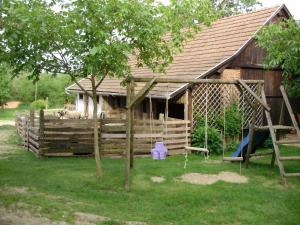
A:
(275, 7)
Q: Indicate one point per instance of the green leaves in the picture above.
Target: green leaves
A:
(4, 84)
(97, 37)
(282, 43)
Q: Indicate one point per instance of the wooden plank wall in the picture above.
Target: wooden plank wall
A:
(75, 136)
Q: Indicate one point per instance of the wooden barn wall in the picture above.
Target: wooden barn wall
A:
(250, 63)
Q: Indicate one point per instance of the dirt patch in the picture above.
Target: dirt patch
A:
(207, 179)
(17, 217)
(7, 122)
(13, 190)
(87, 218)
(156, 179)
(12, 105)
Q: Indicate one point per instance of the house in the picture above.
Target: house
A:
(226, 50)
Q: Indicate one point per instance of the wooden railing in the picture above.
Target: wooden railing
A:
(63, 137)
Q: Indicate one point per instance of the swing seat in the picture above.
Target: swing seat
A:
(235, 159)
(196, 149)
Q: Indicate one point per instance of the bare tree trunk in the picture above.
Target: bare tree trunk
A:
(96, 129)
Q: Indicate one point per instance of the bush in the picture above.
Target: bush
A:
(214, 139)
(233, 120)
(38, 104)
(49, 87)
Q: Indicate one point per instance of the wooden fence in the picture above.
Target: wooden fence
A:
(46, 136)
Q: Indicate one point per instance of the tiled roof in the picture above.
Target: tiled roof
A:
(209, 49)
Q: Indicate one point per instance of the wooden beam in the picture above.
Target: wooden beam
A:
(128, 137)
(258, 99)
(275, 146)
(193, 81)
(246, 97)
(131, 86)
(142, 93)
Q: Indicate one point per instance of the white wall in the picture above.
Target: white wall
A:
(80, 105)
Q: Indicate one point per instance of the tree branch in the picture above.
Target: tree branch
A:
(80, 86)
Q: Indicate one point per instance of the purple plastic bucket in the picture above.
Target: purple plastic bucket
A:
(155, 154)
(159, 151)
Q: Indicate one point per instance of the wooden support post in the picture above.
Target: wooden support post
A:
(186, 114)
(167, 109)
(85, 105)
(278, 131)
(41, 138)
(31, 118)
(128, 136)
(142, 93)
(248, 89)
(190, 108)
(251, 136)
(252, 126)
(132, 125)
(27, 124)
(275, 146)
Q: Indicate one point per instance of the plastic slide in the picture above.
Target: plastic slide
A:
(258, 139)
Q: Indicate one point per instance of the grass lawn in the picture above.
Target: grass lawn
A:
(10, 114)
(59, 187)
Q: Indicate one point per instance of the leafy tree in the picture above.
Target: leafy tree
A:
(96, 38)
(53, 88)
(282, 44)
(4, 84)
(234, 7)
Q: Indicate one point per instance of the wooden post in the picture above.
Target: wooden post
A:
(132, 125)
(167, 109)
(128, 136)
(31, 118)
(186, 114)
(27, 124)
(251, 127)
(278, 131)
(41, 138)
(190, 107)
(85, 105)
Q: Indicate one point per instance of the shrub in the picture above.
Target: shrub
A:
(214, 140)
(233, 120)
(38, 104)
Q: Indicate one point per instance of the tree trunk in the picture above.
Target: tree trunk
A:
(96, 129)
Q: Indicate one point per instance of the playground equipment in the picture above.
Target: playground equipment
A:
(257, 101)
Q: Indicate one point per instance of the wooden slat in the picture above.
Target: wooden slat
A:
(196, 149)
(292, 158)
(233, 159)
(292, 174)
(288, 142)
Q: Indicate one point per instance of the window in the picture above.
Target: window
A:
(80, 96)
(98, 98)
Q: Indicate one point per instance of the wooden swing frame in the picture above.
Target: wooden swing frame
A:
(133, 100)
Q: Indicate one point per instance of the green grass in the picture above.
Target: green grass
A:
(10, 114)
(58, 187)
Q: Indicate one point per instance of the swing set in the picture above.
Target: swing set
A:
(256, 100)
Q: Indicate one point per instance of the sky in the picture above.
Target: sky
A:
(292, 5)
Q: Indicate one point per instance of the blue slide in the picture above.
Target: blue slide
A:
(258, 139)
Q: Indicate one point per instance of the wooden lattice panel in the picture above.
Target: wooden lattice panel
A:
(213, 98)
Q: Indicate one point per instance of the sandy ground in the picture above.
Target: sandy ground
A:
(12, 105)
(7, 122)
(207, 179)
(157, 179)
